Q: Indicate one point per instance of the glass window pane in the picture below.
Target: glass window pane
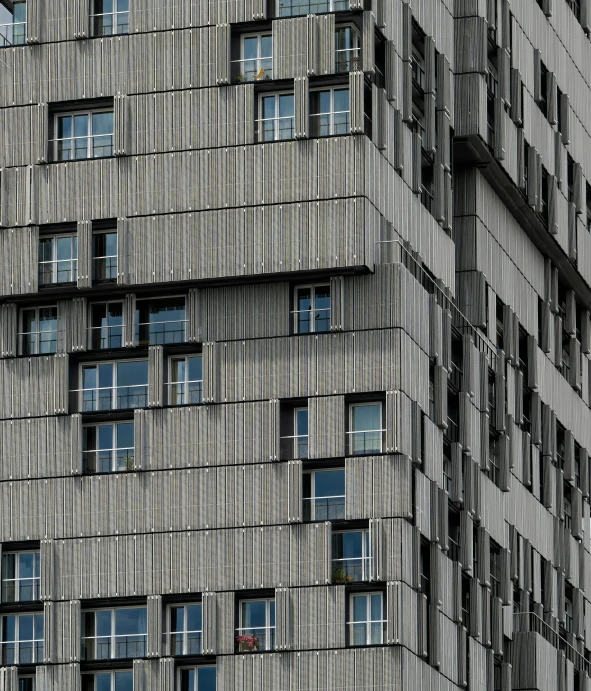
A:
(301, 422)
(125, 435)
(267, 47)
(329, 483)
(102, 123)
(304, 299)
(45, 249)
(105, 436)
(195, 368)
(81, 125)
(178, 370)
(89, 438)
(132, 373)
(206, 679)
(8, 566)
(268, 107)
(360, 608)
(64, 248)
(103, 682)
(376, 607)
(250, 48)
(366, 417)
(39, 627)
(103, 623)
(89, 377)
(341, 100)
(110, 240)
(194, 622)
(105, 375)
(254, 614)
(48, 319)
(29, 321)
(26, 565)
(9, 628)
(123, 681)
(177, 619)
(351, 545)
(103, 6)
(64, 126)
(286, 106)
(122, 5)
(129, 621)
(25, 627)
(188, 679)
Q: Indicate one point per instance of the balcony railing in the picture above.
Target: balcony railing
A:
(108, 460)
(105, 268)
(185, 642)
(293, 8)
(276, 129)
(38, 342)
(418, 75)
(106, 337)
(21, 590)
(13, 34)
(251, 640)
(366, 442)
(117, 646)
(324, 508)
(312, 321)
(81, 148)
(249, 70)
(294, 448)
(115, 398)
(351, 569)
(367, 632)
(58, 271)
(529, 621)
(453, 550)
(161, 332)
(348, 60)
(185, 392)
(22, 652)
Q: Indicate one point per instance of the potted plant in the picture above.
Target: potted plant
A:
(339, 575)
(247, 643)
(239, 79)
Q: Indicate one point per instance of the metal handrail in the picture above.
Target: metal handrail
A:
(263, 70)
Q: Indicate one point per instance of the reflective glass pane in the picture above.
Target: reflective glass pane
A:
(103, 682)
(29, 321)
(268, 107)
(25, 627)
(366, 417)
(123, 681)
(102, 123)
(105, 436)
(38, 627)
(178, 370)
(376, 607)
(105, 375)
(125, 435)
(26, 566)
(329, 483)
(129, 621)
(195, 368)
(360, 608)
(286, 106)
(206, 680)
(103, 6)
(89, 377)
(122, 5)
(254, 614)
(64, 248)
(8, 566)
(187, 679)
(103, 623)
(348, 545)
(301, 422)
(130, 373)
(194, 618)
(20, 12)
(64, 126)
(250, 47)
(177, 619)
(267, 46)
(341, 100)
(81, 125)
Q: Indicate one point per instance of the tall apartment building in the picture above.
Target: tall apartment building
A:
(295, 345)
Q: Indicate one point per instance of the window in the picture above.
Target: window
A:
(543, 102)
(109, 17)
(82, 135)
(114, 633)
(570, 178)
(495, 569)
(466, 601)
(329, 112)
(108, 681)
(588, 203)
(108, 448)
(186, 380)
(300, 422)
(324, 495)
(312, 309)
(277, 117)
(256, 629)
(106, 325)
(115, 385)
(292, 8)
(186, 630)
(104, 256)
(425, 568)
(160, 321)
(197, 679)
(58, 259)
(13, 24)
(348, 49)
(38, 333)
(20, 576)
(494, 456)
(351, 556)
(453, 535)
(447, 466)
(568, 507)
(568, 609)
(26, 684)
(294, 431)
(366, 625)
(22, 639)
(365, 428)
(575, 6)
(256, 58)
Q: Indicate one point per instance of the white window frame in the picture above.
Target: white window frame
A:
(22, 333)
(92, 329)
(53, 262)
(313, 497)
(113, 388)
(183, 668)
(37, 577)
(183, 389)
(89, 137)
(114, 468)
(185, 631)
(260, 72)
(112, 637)
(332, 112)
(95, 259)
(270, 631)
(313, 287)
(311, 7)
(349, 55)
(17, 640)
(276, 118)
(368, 622)
(109, 672)
(352, 432)
(365, 557)
(138, 324)
(115, 14)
